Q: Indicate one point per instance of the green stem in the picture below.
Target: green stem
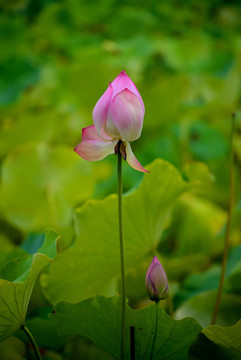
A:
(155, 331)
(32, 341)
(227, 233)
(123, 291)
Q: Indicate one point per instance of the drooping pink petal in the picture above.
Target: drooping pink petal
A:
(121, 82)
(132, 160)
(125, 117)
(101, 109)
(95, 150)
(90, 133)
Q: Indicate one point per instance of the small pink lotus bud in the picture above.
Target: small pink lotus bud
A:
(156, 281)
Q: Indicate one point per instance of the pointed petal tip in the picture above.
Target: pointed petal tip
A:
(144, 170)
(132, 160)
(90, 133)
(127, 91)
(140, 168)
(121, 76)
(76, 149)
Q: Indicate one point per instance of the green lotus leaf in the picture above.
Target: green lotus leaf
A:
(12, 349)
(15, 295)
(92, 264)
(201, 307)
(89, 316)
(51, 181)
(216, 342)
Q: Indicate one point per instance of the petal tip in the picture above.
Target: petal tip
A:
(78, 151)
(132, 160)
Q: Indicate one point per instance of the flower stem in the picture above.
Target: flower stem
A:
(227, 233)
(32, 341)
(155, 331)
(122, 261)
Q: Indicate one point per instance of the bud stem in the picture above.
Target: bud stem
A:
(228, 227)
(123, 291)
(32, 341)
(155, 331)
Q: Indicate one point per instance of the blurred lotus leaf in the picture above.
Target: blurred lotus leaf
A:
(41, 185)
(96, 250)
(15, 294)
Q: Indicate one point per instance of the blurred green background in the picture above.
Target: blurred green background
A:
(56, 60)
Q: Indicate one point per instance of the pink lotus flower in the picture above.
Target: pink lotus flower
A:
(118, 119)
(156, 281)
